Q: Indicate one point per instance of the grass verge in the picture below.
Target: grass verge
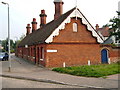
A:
(91, 71)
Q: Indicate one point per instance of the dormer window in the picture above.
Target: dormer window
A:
(75, 27)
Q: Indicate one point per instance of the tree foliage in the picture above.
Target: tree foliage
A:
(13, 44)
(5, 45)
(114, 26)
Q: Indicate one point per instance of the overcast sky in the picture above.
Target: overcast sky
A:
(23, 11)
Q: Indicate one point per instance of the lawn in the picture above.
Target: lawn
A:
(91, 71)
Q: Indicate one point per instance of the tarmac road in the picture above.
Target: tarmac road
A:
(24, 70)
(17, 83)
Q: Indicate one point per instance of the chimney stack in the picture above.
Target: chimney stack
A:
(34, 25)
(58, 8)
(42, 18)
(97, 26)
(28, 29)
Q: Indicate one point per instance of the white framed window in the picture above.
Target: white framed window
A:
(75, 27)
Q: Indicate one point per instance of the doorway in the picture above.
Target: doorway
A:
(104, 56)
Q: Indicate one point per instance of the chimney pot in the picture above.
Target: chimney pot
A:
(42, 11)
(34, 19)
(28, 25)
(97, 26)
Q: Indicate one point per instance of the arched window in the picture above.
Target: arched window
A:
(75, 27)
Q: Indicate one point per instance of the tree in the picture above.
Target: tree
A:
(18, 41)
(5, 45)
(114, 26)
(115, 22)
(118, 12)
(13, 44)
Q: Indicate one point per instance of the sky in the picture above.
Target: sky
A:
(23, 11)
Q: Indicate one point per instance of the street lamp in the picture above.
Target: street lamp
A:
(8, 37)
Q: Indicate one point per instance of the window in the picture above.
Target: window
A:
(31, 52)
(75, 27)
(42, 53)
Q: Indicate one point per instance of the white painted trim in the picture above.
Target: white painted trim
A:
(51, 50)
(75, 13)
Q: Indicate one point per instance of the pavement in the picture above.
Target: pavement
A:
(21, 69)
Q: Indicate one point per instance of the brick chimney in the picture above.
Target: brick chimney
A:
(34, 25)
(42, 18)
(97, 26)
(28, 29)
(58, 8)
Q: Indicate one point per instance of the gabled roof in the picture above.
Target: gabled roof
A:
(40, 35)
(110, 40)
(52, 29)
(104, 31)
(76, 13)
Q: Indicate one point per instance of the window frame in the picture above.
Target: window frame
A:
(75, 27)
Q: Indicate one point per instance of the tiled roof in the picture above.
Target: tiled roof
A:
(40, 35)
(104, 31)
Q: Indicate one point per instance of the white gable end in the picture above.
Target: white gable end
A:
(76, 13)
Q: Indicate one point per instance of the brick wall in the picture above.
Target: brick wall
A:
(41, 58)
(114, 55)
(113, 52)
(72, 54)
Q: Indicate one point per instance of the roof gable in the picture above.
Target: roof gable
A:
(104, 31)
(76, 13)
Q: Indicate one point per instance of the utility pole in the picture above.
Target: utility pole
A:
(8, 37)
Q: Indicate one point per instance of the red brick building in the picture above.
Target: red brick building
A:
(68, 40)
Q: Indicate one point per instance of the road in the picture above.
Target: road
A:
(23, 69)
(17, 83)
